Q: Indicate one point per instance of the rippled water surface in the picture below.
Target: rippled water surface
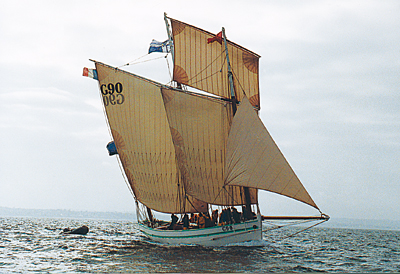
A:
(34, 244)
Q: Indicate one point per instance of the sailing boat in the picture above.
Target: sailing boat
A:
(197, 145)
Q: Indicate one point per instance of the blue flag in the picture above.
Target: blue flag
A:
(156, 46)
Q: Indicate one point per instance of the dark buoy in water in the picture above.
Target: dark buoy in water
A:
(83, 230)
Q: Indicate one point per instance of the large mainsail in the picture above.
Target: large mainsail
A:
(199, 128)
(203, 65)
(254, 160)
(139, 126)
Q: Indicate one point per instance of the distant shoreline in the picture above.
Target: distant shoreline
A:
(65, 213)
(345, 223)
(369, 224)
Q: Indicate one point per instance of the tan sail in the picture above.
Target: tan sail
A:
(203, 65)
(199, 128)
(138, 122)
(254, 160)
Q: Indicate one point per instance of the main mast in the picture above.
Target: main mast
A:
(234, 109)
(171, 45)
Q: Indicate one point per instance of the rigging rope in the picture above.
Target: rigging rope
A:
(134, 63)
(229, 194)
(223, 63)
(303, 230)
(127, 64)
(237, 80)
(205, 78)
(290, 224)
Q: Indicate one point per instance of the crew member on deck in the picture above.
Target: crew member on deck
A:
(208, 220)
(235, 215)
(214, 216)
(201, 221)
(174, 219)
(185, 221)
(193, 218)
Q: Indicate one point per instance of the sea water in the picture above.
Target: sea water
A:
(36, 245)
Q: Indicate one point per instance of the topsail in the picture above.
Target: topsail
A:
(202, 65)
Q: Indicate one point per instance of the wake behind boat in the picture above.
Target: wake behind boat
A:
(196, 146)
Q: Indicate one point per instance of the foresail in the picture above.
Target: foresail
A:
(254, 160)
(139, 126)
(203, 65)
(199, 128)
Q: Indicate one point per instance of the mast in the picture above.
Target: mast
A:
(171, 45)
(246, 190)
(230, 76)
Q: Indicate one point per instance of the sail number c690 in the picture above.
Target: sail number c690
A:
(112, 94)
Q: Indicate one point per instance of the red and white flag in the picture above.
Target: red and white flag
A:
(91, 73)
(217, 38)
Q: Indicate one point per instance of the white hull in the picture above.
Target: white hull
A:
(211, 236)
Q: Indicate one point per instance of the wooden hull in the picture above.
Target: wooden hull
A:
(211, 236)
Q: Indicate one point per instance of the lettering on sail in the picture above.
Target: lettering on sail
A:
(112, 94)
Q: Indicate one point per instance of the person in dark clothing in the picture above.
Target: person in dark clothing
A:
(214, 217)
(185, 221)
(235, 215)
(229, 216)
(208, 220)
(224, 219)
(174, 220)
(246, 213)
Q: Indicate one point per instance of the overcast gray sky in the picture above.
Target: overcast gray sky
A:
(329, 78)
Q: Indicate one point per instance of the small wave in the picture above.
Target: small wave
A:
(300, 268)
(250, 244)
